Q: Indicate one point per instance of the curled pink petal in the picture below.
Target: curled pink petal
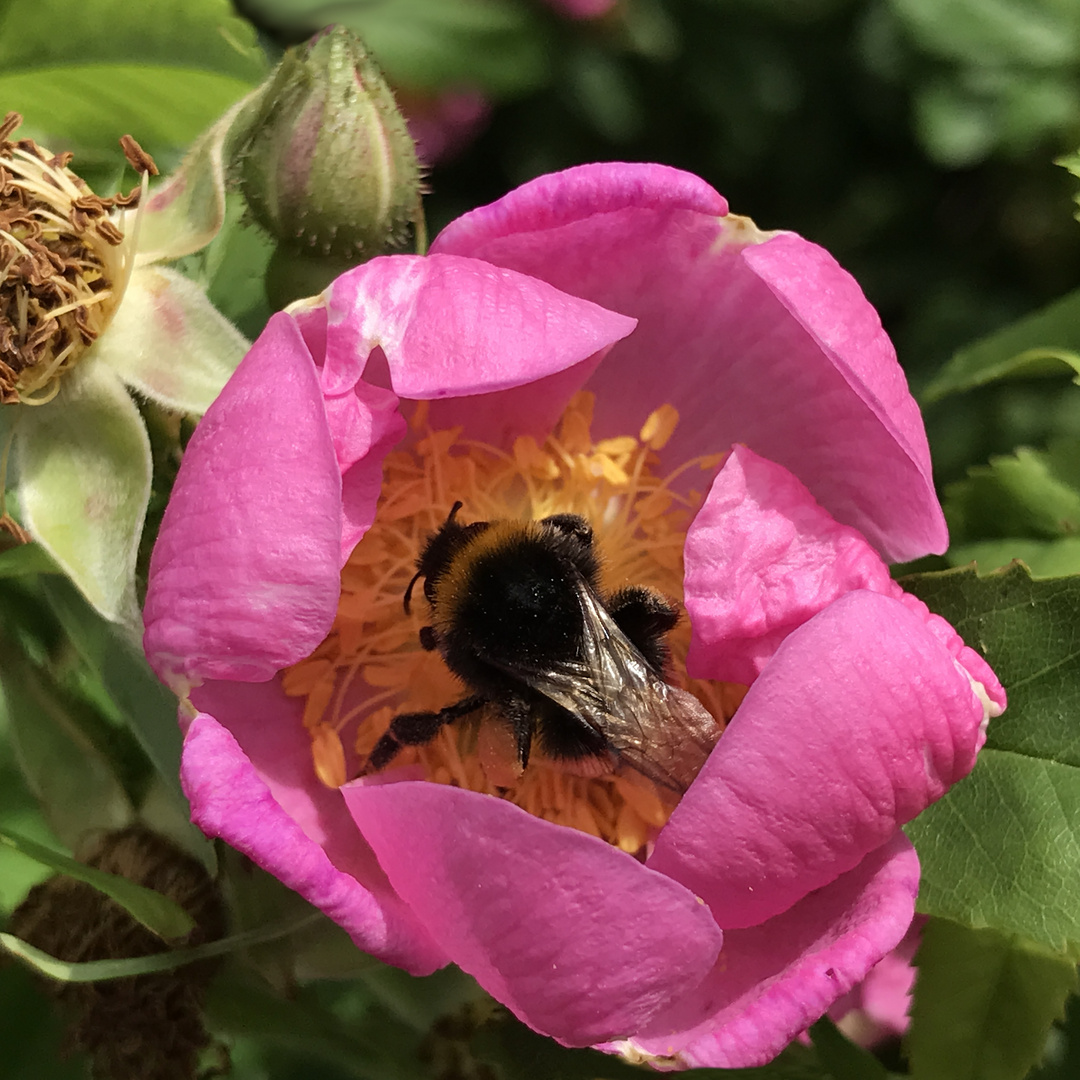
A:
(861, 720)
(239, 551)
(727, 336)
(774, 979)
(762, 557)
(452, 327)
(577, 938)
(230, 800)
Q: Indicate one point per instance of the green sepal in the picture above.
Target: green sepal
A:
(160, 915)
(84, 485)
(187, 209)
(168, 342)
(984, 1003)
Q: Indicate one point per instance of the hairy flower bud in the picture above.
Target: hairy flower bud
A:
(328, 167)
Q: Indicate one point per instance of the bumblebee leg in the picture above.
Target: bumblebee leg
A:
(645, 616)
(518, 713)
(573, 524)
(417, 728)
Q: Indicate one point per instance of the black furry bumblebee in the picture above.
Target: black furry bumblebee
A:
(518, 616)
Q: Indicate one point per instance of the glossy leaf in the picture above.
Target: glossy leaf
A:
(1002, 848)
(984, 1003)
(93, 71)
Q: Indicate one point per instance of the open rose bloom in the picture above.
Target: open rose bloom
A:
(722, 404)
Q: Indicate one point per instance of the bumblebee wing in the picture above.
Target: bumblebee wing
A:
(660, 730)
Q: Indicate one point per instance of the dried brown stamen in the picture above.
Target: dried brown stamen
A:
(63, 263)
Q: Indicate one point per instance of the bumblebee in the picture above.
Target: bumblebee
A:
(518, 615)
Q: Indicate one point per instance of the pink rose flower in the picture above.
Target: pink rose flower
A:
(782, 876)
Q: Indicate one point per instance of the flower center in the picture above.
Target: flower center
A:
(64, 264)
(371, 666)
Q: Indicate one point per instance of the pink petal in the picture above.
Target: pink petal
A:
(244, 576)
(773, 980)
(365, 425)
(230, 800)
(762, 557)
(861, 720)
(452, 327)
(577, 938)
(793, 363)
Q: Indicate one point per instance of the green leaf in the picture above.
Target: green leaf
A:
(1040, 33)
(1043, 558)
(1041, 345)
(841, 1057)
(521, 1054)
(31, 1031)
(27, 559)
(984, 1003)
(496, 45)
(157, 913)
(1002, 848)
(84, 484)
(74, 783)
(1029, 493)
(115, 657)
(367, 1042)
(102, 970)
(93, 71)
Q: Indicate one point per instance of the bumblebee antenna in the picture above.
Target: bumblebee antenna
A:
(408, 592)
(420, 573)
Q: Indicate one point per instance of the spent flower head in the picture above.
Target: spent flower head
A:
(87, 315)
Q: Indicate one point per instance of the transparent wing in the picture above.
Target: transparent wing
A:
(658, 729)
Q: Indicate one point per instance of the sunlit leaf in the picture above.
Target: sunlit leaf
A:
(1002, 848)
(92, 71)
(984, 1002)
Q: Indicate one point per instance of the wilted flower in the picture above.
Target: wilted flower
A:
(86, 314)
(710, 934)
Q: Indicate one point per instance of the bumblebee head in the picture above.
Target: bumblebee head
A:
(439, 553)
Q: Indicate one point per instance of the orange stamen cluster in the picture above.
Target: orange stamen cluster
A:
(371, 666)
